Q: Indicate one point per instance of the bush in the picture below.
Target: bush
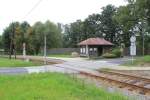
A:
(109, 55)
(114, 54)
(75, 54)
(117, 52)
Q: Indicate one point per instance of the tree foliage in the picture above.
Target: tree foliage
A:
(114, 24)
(110, 27)
(33, 36)
(96, 25)
(1, 43)
(73, 34)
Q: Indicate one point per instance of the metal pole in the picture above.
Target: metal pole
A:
(15, 50)
(132, 60)
(87, 51)
(143, 44)
(45, 49)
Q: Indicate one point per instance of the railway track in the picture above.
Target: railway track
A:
(126, 81)
(134, 83)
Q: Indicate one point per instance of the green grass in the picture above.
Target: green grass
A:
(140, 61)
(60, 55)
(5, 62)
(146, 58)
(50, 86)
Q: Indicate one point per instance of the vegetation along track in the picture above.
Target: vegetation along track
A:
(126, 81)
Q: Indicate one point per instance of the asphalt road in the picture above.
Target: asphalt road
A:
(13, 70)
(77, 63)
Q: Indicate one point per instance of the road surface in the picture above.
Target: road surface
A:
(76, 63)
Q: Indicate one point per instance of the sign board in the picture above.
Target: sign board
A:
(133, 50)
(133, 39)
(133, 46)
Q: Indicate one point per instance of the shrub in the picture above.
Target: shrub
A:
(146, 59)
(117, 52)
(75, 54)
(109, 55)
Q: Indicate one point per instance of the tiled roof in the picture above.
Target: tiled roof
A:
(95, 41)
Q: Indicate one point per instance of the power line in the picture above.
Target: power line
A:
(33, 8)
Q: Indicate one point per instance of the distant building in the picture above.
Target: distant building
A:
(94, 47)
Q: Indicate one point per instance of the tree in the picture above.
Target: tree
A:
(66, 36)
(96, 25)
(109, 26)
(39, 30)
(1, 42)
(36, 37)
(142, 9)
(92, 26)
(24, 29)
(21, 35)
(134, 20)
(18, 33)
(6, 39)
(53, 33)
(143, 12)
(9, 38)
(73, 34)
(126, 21)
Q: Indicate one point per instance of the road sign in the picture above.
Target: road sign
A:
(133, 39)
(133, 46)
(133, 50)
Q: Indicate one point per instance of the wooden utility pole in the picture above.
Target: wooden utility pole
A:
(15, 50)
(10, 46)
(45, 62)
(14, 42)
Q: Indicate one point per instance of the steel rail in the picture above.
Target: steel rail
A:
(125, 84)
(126, 75)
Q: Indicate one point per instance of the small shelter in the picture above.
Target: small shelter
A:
(94, 47)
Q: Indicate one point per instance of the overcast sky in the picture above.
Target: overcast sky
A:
(63, 11)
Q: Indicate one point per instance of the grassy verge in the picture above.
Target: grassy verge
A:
(140, 61)
(5, 62)
(50, 86)
(60, 55)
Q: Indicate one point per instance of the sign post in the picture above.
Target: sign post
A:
(24, 51)
(133, 47)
